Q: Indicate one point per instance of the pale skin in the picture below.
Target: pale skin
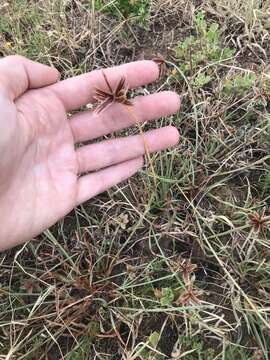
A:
(41, 171)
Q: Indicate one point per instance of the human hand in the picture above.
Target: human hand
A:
(40, 167)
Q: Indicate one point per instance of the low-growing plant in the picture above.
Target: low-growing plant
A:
(167, 297)
(238, 85)
(131, 9)
(201, 48)
(200, 80)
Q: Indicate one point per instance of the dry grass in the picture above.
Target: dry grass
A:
(113, 280)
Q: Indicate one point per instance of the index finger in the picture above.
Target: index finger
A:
(80, 90)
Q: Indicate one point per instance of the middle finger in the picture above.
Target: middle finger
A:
(89, 125)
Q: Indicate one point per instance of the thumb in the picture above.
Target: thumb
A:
(18, 74)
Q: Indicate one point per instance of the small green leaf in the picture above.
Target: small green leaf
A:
(201, 80)
(213, 33)
(167, 297)
(154, 339)
(200, 23)
(239, 85)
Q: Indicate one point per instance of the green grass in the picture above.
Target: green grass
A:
(107, 282)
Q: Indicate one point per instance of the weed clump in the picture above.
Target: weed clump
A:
(129, 9)
(239, 84)
(204, 47)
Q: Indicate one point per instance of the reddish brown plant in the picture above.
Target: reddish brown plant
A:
(106, 98)
(259, 222)
(189, 297)
(119, 95)
(160, 61)
(186, 267)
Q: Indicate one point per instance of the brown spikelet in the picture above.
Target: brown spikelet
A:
(259, 222)
(106, 98)
(161, 63)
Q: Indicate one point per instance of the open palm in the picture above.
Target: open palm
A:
(42, 174)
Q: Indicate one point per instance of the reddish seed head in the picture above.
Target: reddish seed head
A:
(259, 222)
(160, 61)
(106, 98)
